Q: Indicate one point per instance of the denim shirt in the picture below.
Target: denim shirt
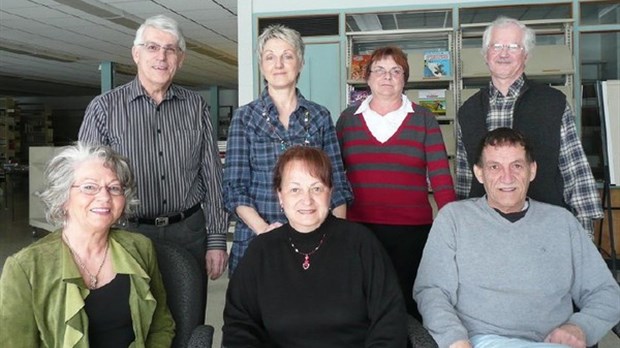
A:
(256, 139)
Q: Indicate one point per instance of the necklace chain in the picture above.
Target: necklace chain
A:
(306, 264)
(285, 144)
(92, 278)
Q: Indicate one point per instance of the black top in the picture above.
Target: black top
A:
(348, 297)
(109, 317)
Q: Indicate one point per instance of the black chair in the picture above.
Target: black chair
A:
(418, 335)
(182, 280)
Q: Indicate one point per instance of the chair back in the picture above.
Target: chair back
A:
(183, 282)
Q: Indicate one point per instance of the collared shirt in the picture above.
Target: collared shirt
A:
(580, 191)
(170, 147)
(255, 141)
(383, 127)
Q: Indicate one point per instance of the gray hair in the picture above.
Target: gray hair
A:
(60, 176)
(163, 23)
(284, 33)
(529, 36)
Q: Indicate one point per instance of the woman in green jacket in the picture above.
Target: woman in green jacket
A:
(85, 285)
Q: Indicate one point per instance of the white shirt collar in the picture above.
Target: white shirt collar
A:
(383, 127)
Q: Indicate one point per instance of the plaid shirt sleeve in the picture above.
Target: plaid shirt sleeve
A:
(237, 164)
(580, 191)
(464, 175)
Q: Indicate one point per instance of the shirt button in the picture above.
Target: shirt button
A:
(161, 153)
(159, 131)
(165, 201)
(163, 177)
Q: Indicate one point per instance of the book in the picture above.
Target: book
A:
(357, 96)
(437, 64)
(434, 100)
(358, 66)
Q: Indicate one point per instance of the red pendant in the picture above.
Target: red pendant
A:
(306, 263)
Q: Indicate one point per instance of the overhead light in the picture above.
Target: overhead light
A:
(125, 69)
(210, 51)
(605, 11)
(103, 11)
(368, 22)
(36, 51)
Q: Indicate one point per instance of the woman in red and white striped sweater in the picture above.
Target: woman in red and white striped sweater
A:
(392, 148)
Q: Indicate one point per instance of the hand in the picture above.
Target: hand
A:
(461, 344)
(216, 262)
(567, 334)
(272, 226)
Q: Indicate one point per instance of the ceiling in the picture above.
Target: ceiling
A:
(55, 47)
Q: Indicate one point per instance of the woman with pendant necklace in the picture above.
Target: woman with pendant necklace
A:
(317, 281)
(87, 284)
(261, 130)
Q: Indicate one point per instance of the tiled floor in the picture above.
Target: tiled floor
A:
(15, 233)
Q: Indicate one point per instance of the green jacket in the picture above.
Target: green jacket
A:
(42, 294)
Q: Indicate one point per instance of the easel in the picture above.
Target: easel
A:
(606, 199)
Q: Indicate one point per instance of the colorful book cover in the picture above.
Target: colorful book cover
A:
(437, 64)
(434, 100)
(358, 66)
(357, 96)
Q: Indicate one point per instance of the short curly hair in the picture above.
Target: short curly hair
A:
(60, 176)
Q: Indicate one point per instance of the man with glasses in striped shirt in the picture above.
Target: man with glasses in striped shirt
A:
(166, 133)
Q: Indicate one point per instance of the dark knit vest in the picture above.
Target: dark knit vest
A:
(538, 115)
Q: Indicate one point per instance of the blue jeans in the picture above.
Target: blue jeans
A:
(496, 341)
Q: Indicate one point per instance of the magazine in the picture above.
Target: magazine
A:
(437, 64)
(434, 100)
(358, 66)
(357, 96)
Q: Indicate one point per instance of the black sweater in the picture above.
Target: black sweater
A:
(348, 297)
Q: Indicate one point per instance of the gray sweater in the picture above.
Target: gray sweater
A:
(482, 274)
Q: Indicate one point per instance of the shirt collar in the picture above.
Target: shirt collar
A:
(406, 106)
(269, 105)
(137, 91)
(513, 90)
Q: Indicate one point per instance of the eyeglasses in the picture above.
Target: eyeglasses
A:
(512, 48)
(395, 72)
(93, 189)
(152, 47)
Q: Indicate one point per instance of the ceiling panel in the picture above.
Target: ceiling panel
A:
(56, 28)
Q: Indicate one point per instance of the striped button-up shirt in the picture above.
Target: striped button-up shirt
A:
(171, 149)
(580, 191)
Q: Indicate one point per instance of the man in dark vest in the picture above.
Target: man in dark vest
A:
(538, 111)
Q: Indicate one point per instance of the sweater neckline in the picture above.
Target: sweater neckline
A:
(482, 201)
(309, 238)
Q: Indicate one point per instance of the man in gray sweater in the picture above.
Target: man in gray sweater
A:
(504, 271)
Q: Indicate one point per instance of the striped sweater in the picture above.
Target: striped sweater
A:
(389, 180)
